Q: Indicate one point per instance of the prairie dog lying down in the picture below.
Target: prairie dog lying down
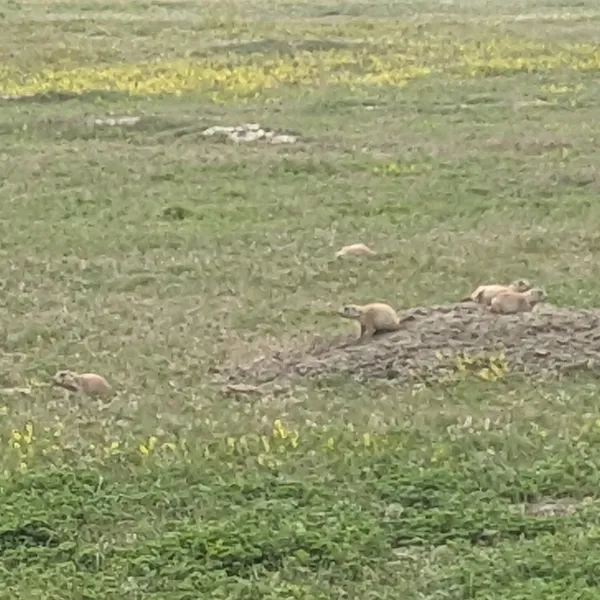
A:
(512, 302)
(484, 294)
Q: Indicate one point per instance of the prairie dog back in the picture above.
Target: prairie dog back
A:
(92, 383)
(381, 315)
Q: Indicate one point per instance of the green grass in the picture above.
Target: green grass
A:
(157, 257)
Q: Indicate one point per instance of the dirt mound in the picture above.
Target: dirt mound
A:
(548, 340)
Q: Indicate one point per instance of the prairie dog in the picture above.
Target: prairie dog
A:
(512, 302)
(86, 383)
(484, 294)
(375, 317)
(355, 250)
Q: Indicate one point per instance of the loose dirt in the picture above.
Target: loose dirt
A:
(547, 341)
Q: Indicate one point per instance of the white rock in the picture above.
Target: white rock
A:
(112, 121)
(218, 129)
(284, 139)
(250, 132)
(249, 136)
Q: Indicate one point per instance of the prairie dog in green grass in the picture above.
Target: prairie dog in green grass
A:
(484, 294)
(355, 250)
(512, 302)
(373, 318)
(86, 383)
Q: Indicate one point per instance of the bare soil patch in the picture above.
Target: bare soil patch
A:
(547, 341)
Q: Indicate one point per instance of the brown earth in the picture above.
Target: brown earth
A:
(547, 341)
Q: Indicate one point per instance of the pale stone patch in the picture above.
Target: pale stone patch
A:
(250, 132)
(112, 121)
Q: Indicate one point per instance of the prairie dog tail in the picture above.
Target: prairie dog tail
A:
(404, 319)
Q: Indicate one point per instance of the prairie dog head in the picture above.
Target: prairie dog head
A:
(537, 295)
(66, 379)
(521, 285)
(350, 311)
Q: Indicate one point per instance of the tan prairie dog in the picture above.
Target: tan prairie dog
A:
(512, 302)
(86, 383)
(355, 250)
(373, 318)
(484, 294)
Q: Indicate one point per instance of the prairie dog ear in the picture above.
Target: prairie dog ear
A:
(521, 285)
(479, 296)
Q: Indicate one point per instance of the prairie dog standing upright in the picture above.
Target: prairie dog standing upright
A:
(512, 302)
(355, 250)
(484, 294)
(86, 383)
(373, 318)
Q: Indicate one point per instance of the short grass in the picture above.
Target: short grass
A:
(457, 138)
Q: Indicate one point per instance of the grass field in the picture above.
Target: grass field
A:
(459, 139)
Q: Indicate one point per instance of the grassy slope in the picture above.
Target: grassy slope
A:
(484, 184)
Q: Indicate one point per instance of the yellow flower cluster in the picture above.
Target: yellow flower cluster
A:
(562, 89)
(237, 76)
(506, 55)
(397, 169)
(220, 78)
(21, 443)
(26, 450)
